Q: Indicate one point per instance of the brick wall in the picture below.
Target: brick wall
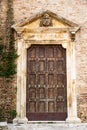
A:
(3, 11)
(7, 97)
(7, 89)
(73, 10)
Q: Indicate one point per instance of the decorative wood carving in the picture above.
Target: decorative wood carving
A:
(46, 82)
(46, 20)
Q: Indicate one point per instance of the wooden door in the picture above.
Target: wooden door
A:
(46, 83)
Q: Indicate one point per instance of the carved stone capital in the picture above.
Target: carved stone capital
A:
(72, 35)
(73, 31)
(19, 35)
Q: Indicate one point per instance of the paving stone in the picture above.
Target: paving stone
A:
(49, 126)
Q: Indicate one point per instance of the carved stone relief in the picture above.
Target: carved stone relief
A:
(46, 20)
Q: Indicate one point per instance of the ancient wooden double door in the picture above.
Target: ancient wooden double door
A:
(46, 83)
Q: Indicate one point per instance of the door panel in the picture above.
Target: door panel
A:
(46, 83)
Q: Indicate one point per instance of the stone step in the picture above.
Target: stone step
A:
(49, 126)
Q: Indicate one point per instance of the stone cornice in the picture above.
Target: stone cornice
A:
(40, 14)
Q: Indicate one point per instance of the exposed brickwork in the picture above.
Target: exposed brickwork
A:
(7, 89)
(3, 11)
(73, 10)
(7, 96)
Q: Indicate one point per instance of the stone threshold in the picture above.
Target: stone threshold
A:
(46, 122)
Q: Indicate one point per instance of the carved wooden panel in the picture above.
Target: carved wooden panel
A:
(41, 51)
(59, 53)
(51, 106)
(32, 79)
(41, 92)
(50, 52)
(32, 66)
(51, 93)
(46, 82)
(41, 79)
(51, 65)
(50, 79)
(32, 53)
(32, 106)
(41, 66)
(41, 106)
(32, 93)
(60, 66)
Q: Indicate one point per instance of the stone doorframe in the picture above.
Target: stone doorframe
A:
(63, 36)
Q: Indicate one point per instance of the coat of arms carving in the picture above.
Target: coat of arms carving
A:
(46, 20)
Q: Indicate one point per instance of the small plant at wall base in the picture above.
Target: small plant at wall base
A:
(13, 114)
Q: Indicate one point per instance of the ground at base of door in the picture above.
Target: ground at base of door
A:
(48, 126)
